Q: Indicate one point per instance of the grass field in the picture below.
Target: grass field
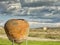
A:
(51, 33)
(7, 42)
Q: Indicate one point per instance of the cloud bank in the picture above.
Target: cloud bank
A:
(36, 11)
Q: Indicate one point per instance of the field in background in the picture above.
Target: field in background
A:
(2, 32)
(50, 33)
(7, 42)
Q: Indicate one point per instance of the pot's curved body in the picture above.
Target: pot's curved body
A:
(17, 30)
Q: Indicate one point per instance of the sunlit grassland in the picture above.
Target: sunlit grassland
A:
(7, 42)
(51, 33)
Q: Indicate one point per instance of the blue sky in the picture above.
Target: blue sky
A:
(41, 15)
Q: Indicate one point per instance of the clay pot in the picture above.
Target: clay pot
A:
(17, 30)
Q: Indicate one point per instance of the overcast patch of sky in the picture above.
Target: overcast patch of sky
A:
(44, 14)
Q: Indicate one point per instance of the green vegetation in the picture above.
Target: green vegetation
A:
(7, 42)
(52, 33)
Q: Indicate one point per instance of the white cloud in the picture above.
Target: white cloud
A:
(30, 1)
(38, 24)
(33, 22)
(9, 6)
(1, 23)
